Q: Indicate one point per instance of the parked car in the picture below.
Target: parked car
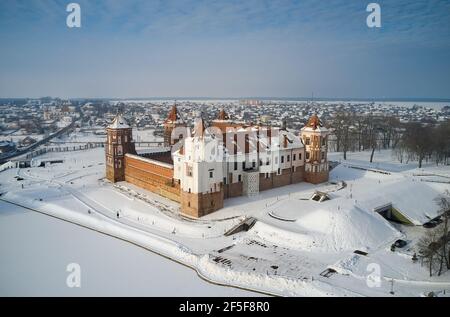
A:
(438, 220)
(430, 224)
(433, 222)
(400, 243)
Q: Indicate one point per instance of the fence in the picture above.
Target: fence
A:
(7, 165)
(63, 149)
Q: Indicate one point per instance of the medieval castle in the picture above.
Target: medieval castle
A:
(200, 168)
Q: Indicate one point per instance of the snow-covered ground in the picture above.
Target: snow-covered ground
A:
(81, 136)
(293, 241)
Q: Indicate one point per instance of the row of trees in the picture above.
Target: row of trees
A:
(356, 132)
(434, 246)
(428, 143)
(410, 141)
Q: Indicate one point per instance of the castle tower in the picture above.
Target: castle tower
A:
(201, 176)
(314, 137)
(173, 121)
(119, 142)
(222, 121)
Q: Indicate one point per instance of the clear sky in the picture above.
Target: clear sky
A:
(225, 48)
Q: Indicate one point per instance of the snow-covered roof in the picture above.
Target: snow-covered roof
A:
(293, 141)
(149, 160)
(153, 150)
(174, 116)
(314, 125)
(223, 116)
(414, 200)
(318, 129)
(119, 123)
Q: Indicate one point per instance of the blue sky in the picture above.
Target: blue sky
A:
(226, 48)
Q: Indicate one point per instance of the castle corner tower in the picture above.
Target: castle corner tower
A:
(314, 137)
(119, 141)
(173, 121)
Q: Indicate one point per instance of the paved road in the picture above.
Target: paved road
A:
(17, 153)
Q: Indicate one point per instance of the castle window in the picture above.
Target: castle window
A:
(239, 178)
(267, 161)
(243, 165)
(189, 204)
(188, 170)
(279, 171)
(288, 158)
(294, 157)
(300, 156)
(307, 141)
(235, 166)
(253, 164)
(267, 175)
(322, 155)
(324, 141)
(210, 174)
(119, 150)
(189, 190)
(224, 180)
(282, 158)
(307, 155)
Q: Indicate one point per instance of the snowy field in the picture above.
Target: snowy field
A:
(294, 242)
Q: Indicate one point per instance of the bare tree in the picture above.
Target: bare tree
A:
(359, 125)
(389, 127)
(341, 124)
(428, 246)
(373, 128)
(441, 142)
(443, 202)
(418, 140)
(400, 152)
(434, 245)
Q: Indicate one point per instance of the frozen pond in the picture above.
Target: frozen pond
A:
(36, 249)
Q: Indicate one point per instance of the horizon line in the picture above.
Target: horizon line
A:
(384, 99)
